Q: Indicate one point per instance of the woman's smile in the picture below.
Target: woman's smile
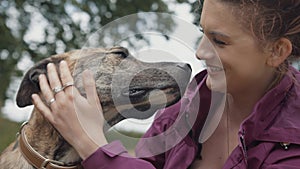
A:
(214, 69)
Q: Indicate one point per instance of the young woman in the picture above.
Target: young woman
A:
(260, 124)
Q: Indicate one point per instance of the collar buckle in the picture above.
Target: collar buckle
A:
(48, 161)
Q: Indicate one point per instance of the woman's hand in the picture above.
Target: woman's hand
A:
(79, 120)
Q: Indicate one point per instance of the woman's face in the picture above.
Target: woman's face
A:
(228, 49)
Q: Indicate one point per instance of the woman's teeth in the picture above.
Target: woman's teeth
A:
(214, 68)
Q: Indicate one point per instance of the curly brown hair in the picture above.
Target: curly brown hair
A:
(270, 20)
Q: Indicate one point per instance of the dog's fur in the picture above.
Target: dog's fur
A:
(118, 76)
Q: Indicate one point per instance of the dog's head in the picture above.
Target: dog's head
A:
(128, 88)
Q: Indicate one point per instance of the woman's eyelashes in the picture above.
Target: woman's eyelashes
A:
(201, 29)
(214, 39)
(219, 42)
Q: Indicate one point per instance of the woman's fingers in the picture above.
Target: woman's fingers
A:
(71, 114)
(46, 90)
(54, 81)
(90, 88)
(65, 76)
(39, 104)
(48, 97)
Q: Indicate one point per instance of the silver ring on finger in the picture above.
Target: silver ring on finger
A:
(51, 101)
(57, 89)
(68, 84)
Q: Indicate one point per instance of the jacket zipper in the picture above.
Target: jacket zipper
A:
(244, 147)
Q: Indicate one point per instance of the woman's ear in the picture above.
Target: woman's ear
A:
(281, 49)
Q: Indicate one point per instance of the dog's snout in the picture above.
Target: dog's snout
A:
(184, 66)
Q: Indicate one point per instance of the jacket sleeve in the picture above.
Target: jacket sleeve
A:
(166, 144)
(114, 155)
(150, 154)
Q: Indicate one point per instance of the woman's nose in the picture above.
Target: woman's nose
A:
(206, 50)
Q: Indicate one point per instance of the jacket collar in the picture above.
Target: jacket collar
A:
(276, 115)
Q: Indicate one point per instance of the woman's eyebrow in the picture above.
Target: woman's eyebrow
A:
(218, 34)
(213, 32)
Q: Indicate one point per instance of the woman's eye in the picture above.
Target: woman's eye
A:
(201, 30)
(219, 42)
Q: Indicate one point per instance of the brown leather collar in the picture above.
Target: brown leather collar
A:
(37, 160)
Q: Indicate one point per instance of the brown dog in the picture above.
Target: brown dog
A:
(128, 88)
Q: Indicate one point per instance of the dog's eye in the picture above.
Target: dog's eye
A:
(123, 55)
(118, 50)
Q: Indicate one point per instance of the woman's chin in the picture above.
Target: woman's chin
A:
(216, 84)
(208, 83)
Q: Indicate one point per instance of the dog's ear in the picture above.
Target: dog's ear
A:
(30, 82)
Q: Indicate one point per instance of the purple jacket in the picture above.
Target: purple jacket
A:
(269, 137)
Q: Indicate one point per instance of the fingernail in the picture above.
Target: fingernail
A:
(48, 66)
(33, 96)
(41, 76)
(63, 62)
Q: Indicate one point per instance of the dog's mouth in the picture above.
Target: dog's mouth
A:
(136, 92)
(144, 98)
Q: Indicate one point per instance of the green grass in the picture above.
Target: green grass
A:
(8, 130)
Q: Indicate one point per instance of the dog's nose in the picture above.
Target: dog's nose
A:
(184, 66)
